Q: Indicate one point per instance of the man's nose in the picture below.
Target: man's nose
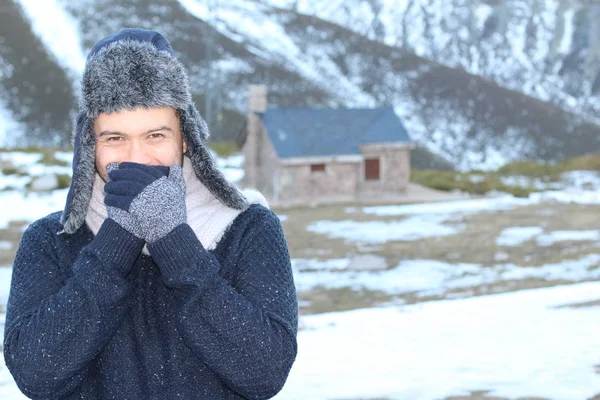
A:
(138, 153)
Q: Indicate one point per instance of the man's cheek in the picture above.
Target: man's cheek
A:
(102, 172)
(101, 164)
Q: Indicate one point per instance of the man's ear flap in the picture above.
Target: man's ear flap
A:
(84, 171)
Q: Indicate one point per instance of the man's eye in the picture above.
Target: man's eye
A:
(156, 136)
(114, 138)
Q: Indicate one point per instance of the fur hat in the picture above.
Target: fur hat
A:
(131, 69)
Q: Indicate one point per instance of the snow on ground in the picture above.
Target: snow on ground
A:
(232, 167)
(516, 344)
(30, 207)
(427, 220)
(14, 182)
(5, 274)
(503, 202)
(65, 156)
(432, 277)
(588, 179)
(516, 235)
(575, 194)
(28, 165)
(582, 179)
(36, 205)
(20, 158)
(550, 238)
(8, 387)
(381, 231)
(569, 195)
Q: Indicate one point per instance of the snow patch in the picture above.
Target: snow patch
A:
(59, 32)
(440, 349)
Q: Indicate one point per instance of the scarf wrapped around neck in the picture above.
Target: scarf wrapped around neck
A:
(206, 215)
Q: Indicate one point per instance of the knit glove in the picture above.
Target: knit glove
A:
(148, 201)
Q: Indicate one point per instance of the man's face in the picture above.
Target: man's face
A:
(145, 136)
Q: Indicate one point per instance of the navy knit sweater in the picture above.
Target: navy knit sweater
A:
(89, 317)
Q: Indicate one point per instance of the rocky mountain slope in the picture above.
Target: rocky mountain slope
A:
(479, 83)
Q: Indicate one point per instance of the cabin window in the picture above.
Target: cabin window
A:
(317, 168)
(372, 169)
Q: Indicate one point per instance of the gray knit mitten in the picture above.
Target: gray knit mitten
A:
(148, 201)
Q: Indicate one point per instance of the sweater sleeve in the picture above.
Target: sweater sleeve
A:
(56, 326)
(244, 330)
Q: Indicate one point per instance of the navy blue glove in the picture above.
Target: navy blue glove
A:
(148, 201)
(127, 180)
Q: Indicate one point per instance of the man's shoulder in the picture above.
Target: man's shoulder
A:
(52, 219)
(46, 235)
(50, 223)
(256, 219)
(255, 213)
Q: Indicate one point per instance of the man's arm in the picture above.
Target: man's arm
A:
(54, 327)
(244, 331)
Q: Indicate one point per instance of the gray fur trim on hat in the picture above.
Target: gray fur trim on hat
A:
(127, 73)
(194, 131)
(84, 171)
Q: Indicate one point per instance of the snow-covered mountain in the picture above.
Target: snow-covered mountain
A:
(477, 82)
(546, 49)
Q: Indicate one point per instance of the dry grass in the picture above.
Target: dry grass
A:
(475, 243)
(11, 234)
(321, 300)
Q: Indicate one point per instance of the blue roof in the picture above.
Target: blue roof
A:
(305, 132)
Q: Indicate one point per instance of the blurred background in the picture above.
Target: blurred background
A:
(435, 166)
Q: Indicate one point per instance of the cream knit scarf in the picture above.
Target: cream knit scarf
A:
(206, 215)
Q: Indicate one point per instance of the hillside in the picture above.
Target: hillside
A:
(472, 114)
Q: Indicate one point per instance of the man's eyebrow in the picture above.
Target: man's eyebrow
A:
(162, 128)
(105, 133)
(118, 133)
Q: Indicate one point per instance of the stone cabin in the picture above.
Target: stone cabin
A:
(306, 156)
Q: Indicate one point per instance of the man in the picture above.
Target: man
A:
(159, 280)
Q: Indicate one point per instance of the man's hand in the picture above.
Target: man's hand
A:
(148, 201)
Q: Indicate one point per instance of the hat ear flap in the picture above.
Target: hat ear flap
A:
(195, 132)
(84, 169)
